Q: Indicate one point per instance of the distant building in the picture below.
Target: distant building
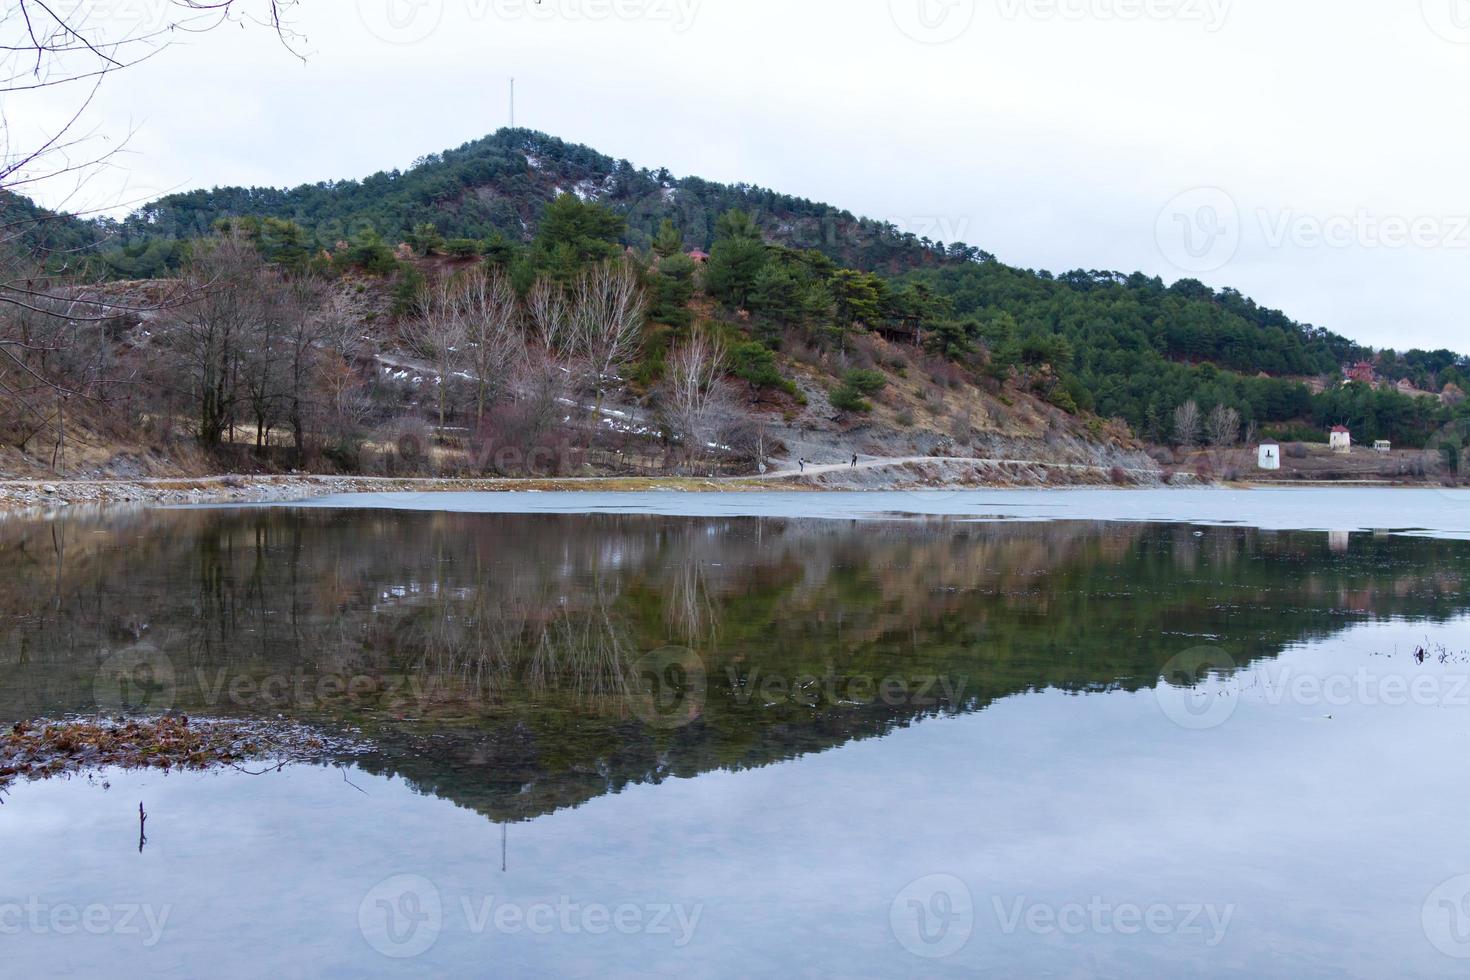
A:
(1342, 439)
(1362, 371)
(700, 256)
(1270, 456)
(1383, 446)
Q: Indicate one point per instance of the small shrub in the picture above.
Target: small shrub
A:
(1296, 451)
(462, 248)
(865, 381)
(756, 363)
(1062, 398)
(406, 291)
(845, 399)
(850, 396)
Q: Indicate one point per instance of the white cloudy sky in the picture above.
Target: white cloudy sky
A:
(1311, 153)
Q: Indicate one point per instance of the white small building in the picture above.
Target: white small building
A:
(1383, 446)
(1342, 439)
(1270, 456)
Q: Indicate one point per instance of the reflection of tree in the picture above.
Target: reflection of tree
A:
(473, 649)
(497, 649)
(689, 609)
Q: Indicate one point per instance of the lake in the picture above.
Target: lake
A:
(1053, 734)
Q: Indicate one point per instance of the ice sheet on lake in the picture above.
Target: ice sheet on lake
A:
(1436, 512)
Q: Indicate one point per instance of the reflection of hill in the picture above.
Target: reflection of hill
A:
(498, 660)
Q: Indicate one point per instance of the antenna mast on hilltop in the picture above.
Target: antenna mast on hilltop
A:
(512, 103)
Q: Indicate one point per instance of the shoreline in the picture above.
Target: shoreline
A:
(30, 495)
(903, 473)
(254, 489)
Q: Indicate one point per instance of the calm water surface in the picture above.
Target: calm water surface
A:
(640, 745)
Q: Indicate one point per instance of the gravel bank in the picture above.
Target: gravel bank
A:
(898, 474)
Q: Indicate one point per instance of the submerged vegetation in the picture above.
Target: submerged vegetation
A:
(46, 749)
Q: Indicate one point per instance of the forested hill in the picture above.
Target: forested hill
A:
(789, 272)
(498, 187)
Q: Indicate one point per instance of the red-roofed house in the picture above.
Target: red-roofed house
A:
(700, 256)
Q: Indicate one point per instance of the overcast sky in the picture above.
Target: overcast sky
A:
(1311, 153)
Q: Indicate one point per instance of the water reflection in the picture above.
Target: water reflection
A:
(519, 665)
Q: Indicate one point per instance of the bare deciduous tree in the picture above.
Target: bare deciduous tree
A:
(439, 334)
(695, 395)
(496, 345)
(607, 311)
(262, 353)
(310, 326)
(1224, 427)
(548, 320)
(46, 44)
(51, 350)
(210, 337)
(1187, 424)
